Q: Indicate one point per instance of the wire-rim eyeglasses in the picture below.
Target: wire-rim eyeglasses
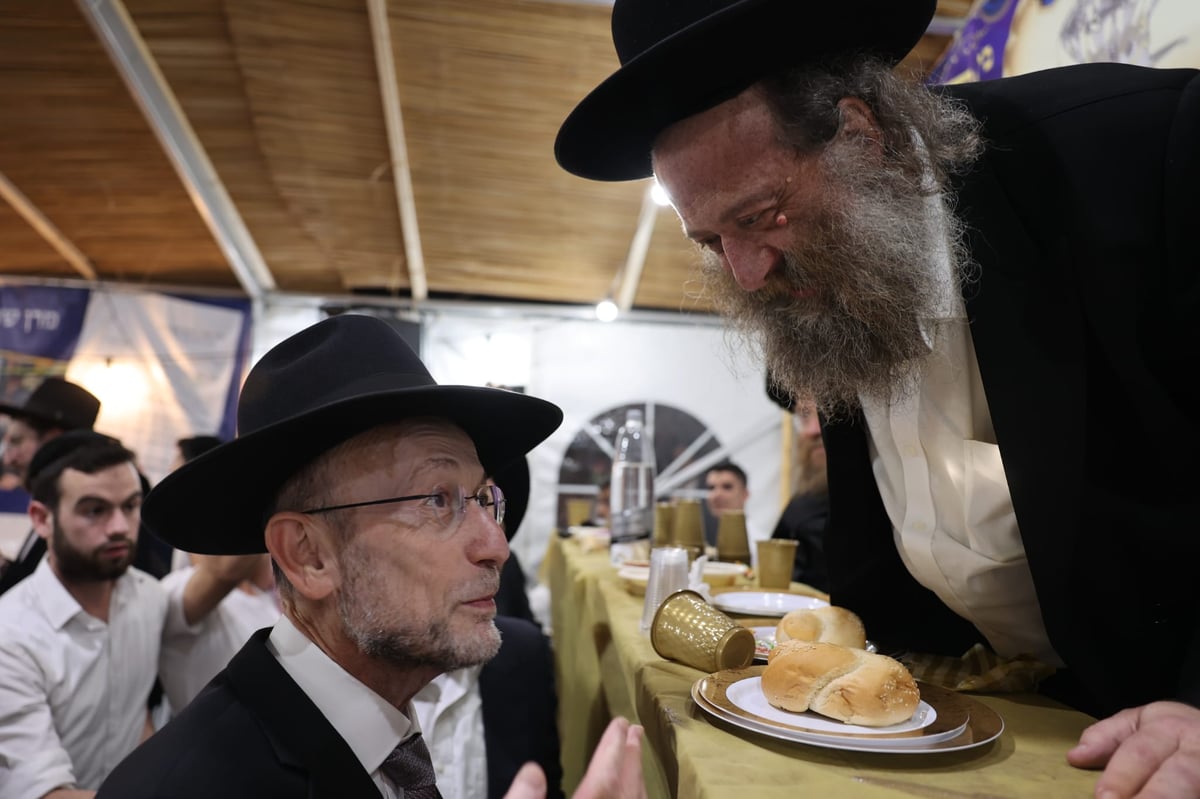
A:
(488, 496)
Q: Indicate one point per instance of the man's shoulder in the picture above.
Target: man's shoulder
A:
(1050, 92)
(215, 747)
(18, 603)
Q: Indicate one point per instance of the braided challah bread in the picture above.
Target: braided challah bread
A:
(831, 624)
(850, 685)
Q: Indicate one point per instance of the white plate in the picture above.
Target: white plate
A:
(945, 721)
(639, 574)
(747, 696)
(765, 603)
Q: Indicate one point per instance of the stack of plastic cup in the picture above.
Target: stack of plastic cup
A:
(668, 574)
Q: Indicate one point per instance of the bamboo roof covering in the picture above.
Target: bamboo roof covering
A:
(284, 99)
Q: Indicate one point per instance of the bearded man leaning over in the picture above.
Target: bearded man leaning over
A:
(975, 284)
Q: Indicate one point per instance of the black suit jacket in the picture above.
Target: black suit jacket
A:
(251, 733)
(32, 550)
(1082, 219)
(520, 708)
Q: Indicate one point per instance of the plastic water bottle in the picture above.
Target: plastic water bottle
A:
(632, 502)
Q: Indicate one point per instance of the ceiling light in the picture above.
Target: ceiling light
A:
(606, 310)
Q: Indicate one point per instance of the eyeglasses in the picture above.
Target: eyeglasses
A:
(449, 508)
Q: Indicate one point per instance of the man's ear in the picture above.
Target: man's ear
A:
(858, 121)
(42, 518)
(302, 548)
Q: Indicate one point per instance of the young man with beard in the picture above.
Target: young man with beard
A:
(974, 283)
(81, 634)
(367, 483)
(52, 408)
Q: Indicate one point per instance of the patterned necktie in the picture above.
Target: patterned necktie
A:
(410, 767)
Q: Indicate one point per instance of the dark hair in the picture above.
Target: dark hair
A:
(82, 450)
(195, 446)
(921, 129)
(728, 466)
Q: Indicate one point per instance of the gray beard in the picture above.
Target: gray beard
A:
(871, 255)
(387, 634)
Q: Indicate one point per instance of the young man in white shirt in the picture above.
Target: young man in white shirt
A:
(81, 634)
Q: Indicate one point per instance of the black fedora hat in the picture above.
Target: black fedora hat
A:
(58, 403)
(322, 386)
(681, 57)
(513, 480)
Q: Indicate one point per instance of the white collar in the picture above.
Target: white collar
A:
(369, 723)
(60, 607)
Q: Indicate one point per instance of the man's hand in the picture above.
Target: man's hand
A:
(1147, 752)
(615, 770)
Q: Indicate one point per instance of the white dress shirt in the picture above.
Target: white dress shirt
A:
(450, 711)
(193, 654)
(73, 689)
(942, 481)
(365, 720)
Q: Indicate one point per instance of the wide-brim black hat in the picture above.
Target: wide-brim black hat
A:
(679, 58)
(513, 480)
(309, 393)
(58, 403)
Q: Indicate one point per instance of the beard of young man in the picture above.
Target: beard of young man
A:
(88, 567)
(382, 633)
(867, 260)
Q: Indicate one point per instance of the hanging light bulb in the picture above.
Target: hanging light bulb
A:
(606, 310)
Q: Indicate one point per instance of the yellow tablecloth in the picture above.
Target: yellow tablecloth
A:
(606, 668)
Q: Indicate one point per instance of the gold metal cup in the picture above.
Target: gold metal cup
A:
(693, 632)
(775, 559)
(664, 521)
(688, 529)
(732, 541)
(579, 511)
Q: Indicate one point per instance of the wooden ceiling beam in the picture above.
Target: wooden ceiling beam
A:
(45, 228)
(385, 64)
(121, 39)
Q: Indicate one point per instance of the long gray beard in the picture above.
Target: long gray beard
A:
(871, 253)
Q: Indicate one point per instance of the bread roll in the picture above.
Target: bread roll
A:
(832, 624)
(850, 685)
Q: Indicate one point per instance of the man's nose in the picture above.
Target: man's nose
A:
(489, 541)
(751, 263)
(120, 523)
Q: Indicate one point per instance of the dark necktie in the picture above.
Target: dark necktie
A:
(410, 767)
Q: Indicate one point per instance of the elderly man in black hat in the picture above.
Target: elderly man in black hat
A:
(367, 483)
(55, 406)
(976, 284)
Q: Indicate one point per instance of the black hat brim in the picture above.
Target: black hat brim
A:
(217, 503)
(610, 133)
